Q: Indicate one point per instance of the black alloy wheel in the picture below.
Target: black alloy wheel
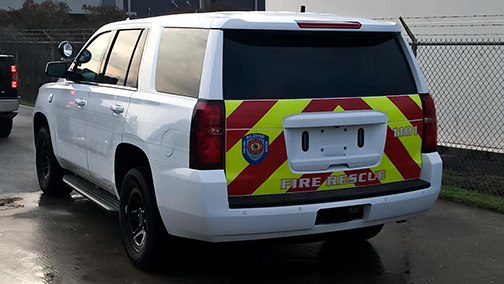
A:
(49, 172)
(137, 220)
(143, 231)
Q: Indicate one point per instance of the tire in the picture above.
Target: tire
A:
(357, 235)
(49, 172)
(139, 216)
(5, 127)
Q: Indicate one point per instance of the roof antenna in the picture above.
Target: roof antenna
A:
(303, 9)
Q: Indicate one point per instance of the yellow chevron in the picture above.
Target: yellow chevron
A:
(392, 174)
(232, 106)
(273, 184)
(387, 106)
(417, 100)
(413, 143)
(235, 163)
(396, 118)
(339, 108)
(271, 124)
(340, 186)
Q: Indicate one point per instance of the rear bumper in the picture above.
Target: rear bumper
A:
(9, 105)
(194, 204)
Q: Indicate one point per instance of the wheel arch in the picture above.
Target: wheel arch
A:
(39, 121)
(126, 157)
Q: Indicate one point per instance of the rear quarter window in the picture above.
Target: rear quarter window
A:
(180, 61)
(294, 64)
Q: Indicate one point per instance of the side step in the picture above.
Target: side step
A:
(101, 197)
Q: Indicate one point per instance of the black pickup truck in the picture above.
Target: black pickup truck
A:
(9, 99)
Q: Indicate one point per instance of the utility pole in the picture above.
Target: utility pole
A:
(204, 4)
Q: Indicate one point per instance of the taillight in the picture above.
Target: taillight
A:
(429, 140)
(14, 77)
(330, 25)
(207, 136)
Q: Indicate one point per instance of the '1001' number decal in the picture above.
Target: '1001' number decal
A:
(405, 131)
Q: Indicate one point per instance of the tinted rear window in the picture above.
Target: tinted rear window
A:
(180, 61)
(292, 65)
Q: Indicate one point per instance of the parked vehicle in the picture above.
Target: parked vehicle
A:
(9, 99)
(241, 126)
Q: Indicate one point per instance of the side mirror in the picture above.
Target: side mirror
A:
(65, 49)
(56, 69)
(85, 57)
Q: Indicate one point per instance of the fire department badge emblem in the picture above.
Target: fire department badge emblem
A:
(255, 148)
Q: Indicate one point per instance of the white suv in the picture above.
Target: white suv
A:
(241, 126)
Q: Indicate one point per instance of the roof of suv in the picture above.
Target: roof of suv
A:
(253, 20)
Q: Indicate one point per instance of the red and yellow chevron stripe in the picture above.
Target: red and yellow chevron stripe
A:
(401, 159)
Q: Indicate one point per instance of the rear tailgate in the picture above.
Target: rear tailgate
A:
(6, 76)
(318, 111)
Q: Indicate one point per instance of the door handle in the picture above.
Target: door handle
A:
(80, 102)
(117, 109)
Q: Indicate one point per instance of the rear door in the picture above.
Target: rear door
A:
(315, 111)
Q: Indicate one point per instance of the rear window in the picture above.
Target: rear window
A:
(293, 65)
(6, 62)
(180, 61)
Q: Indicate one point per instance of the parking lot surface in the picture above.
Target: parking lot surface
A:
(70, 240)
(17, 166)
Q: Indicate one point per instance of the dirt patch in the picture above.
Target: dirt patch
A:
(10, 203)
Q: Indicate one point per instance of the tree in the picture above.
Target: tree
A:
(49, 14)
(5, 19)
(104, 14)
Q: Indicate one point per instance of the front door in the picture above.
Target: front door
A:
(71, 99)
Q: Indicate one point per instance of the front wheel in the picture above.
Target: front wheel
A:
(5, 126)
(49, 172)
(143, 231)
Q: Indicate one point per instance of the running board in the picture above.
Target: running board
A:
(100, 197)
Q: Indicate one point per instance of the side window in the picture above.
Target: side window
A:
(121, 56)
(135, 61)
(91, 59)
(180, 60)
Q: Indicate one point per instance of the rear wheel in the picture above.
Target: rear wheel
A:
(5, 126)
(357, 235)
(142, 229)
(49, 172)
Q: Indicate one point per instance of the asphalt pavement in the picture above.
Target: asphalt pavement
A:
(17, 158)
(70, 240)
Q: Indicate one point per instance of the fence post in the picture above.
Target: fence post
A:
(414, 46)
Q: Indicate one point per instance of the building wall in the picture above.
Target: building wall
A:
(390, 8)
(425, 25)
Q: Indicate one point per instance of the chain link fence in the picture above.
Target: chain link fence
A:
(32, 50)
(464, 76)
(466, 79)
